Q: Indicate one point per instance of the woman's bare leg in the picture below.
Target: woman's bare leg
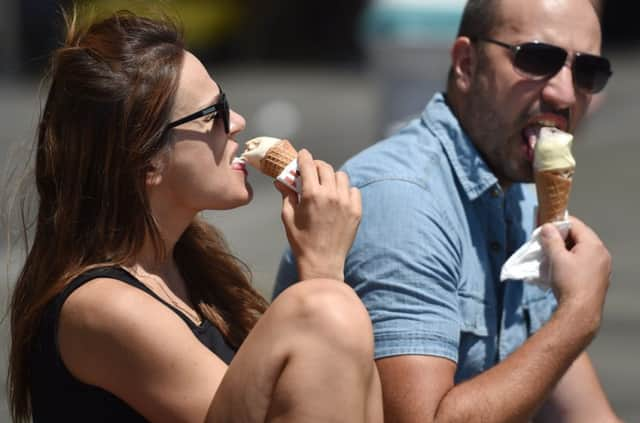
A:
(309, 359)
(375, 412)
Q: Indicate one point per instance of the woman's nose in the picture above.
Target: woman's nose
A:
(236, 122)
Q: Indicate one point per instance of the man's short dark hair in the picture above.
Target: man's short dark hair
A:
(479, 18)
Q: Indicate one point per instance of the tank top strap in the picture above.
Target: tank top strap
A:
(118, 273)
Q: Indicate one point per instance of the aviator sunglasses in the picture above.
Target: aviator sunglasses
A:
(220, 108)
(537, 60)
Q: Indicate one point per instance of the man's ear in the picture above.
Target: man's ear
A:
(463, 63)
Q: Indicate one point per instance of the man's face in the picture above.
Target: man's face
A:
(503, 109)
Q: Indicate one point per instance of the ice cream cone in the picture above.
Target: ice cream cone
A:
(277, 158)
(553, 188)
(553, 173)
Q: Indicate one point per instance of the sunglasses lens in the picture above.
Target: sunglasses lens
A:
(224, 111)
(225, 115)
(539, 60)
(591, 73)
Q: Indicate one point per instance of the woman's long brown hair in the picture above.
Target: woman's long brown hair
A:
(111, 90)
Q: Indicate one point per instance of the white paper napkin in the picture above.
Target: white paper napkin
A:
(529, 263)
(289, 176)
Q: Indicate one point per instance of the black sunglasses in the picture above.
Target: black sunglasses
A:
(221, 108)
(536, 60)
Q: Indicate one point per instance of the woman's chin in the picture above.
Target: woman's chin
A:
(249, 196)
(232, 202)
(244, 199)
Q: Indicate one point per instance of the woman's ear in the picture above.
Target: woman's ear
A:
(463, 63)
(154, 172)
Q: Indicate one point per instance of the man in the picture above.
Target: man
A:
(444, 206)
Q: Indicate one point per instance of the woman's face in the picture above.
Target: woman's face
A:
(198, 173)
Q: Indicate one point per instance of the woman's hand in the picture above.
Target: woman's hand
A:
(322, 223)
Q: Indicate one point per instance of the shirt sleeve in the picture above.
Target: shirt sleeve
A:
(287, 273)
(405, 265)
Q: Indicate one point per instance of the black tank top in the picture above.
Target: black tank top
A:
(57, 396)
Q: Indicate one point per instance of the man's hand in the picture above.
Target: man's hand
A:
(421, 388)
(580, 274)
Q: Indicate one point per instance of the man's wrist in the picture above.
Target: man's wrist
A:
(581, 319)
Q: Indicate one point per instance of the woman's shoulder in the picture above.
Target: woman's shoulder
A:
(101, 312)
(103, 297)
(112, 332)
(104, 301)
(106, 306)
(116, 337)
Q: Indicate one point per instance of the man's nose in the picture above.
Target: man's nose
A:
(559, 90)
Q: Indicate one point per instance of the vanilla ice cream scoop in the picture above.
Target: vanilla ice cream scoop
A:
(256, 149)
(553, 150)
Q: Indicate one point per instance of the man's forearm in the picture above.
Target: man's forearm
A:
(514, 389)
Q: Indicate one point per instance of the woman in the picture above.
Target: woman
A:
(129, 307)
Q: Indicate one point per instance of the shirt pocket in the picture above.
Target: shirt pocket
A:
(477, 349)
(474, 316)
(537, 312)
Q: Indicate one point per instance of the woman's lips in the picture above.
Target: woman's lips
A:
(239, 165)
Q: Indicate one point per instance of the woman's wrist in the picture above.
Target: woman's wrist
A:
(308, 270)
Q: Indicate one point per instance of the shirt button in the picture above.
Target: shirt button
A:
(495, 193)
(495, 246)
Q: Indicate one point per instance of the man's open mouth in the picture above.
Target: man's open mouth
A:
(531, 131)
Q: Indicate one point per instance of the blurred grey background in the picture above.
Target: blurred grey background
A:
(336, 76)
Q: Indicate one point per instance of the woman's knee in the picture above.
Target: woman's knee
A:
(329, 309)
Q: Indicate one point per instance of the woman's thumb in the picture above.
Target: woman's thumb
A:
(289, 199)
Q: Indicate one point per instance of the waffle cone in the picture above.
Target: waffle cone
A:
(277, 158)
(553, 188)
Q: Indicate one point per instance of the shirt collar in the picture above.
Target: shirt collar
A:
(471, 170)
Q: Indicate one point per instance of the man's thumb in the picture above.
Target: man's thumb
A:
(551, 240)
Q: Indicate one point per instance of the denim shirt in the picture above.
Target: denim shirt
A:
(436, 229)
